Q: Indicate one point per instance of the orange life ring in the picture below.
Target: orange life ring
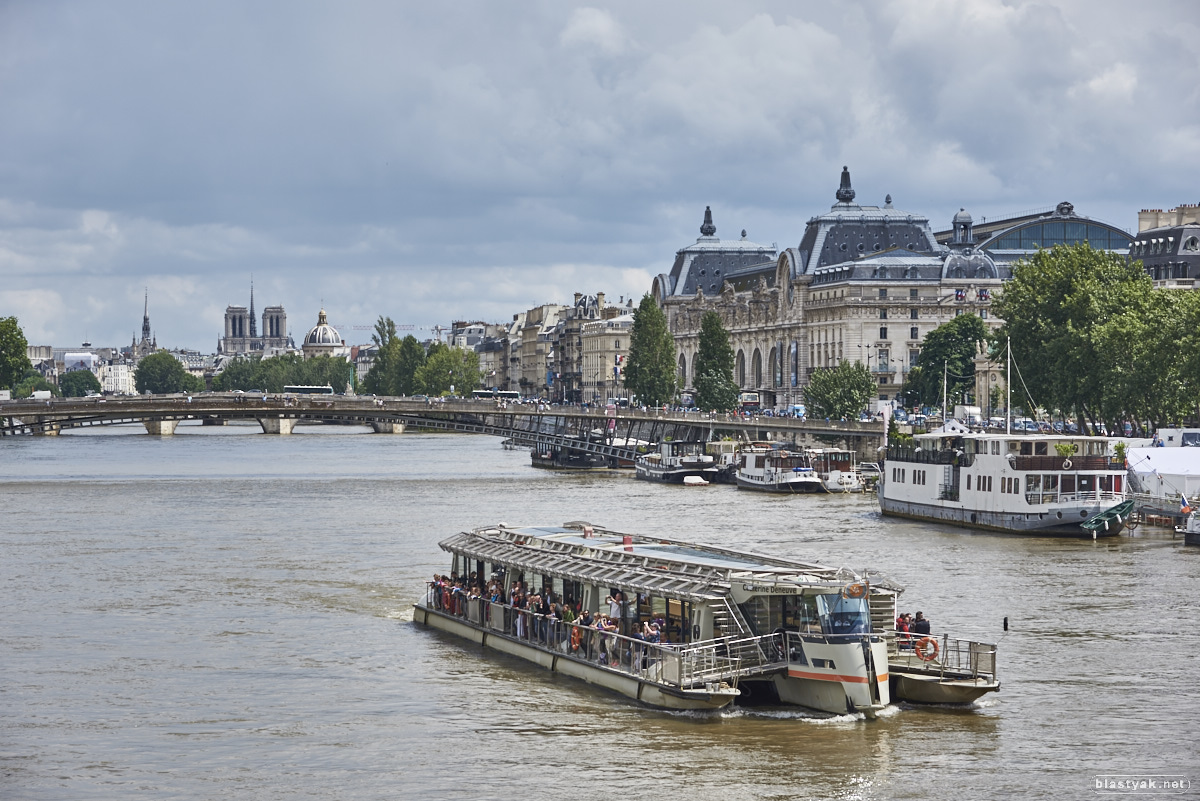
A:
(576, 638)
(926, 649)
(856, 590)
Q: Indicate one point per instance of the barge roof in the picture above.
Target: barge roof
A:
(646, 564)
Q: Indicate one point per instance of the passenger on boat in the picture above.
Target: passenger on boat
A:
(903, 640)
(614, 602)
(920, 625)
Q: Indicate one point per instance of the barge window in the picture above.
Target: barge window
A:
(1068, 485)
(1087, 484)
(1039, 448)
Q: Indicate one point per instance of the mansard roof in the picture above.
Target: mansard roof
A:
(706, 265)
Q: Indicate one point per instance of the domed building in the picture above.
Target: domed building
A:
(324, 340)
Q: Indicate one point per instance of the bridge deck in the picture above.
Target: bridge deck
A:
(566, 426)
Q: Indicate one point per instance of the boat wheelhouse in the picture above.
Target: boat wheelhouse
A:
(776, 470)
(1027, 483)
(726, 621)
(673, 461)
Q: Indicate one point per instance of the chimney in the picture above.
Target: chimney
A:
(600, 299)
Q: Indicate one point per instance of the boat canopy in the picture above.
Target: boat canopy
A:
(646, 565)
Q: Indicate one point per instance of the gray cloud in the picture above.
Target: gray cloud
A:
(435, 163)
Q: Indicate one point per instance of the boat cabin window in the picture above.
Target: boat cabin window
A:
(1068, 485)
(768, 613)
(995, 447)
(1087, 484)
(840, 615)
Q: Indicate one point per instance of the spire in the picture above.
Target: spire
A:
(845, 193)
(146, 318)
(708, 229)
(253, 322)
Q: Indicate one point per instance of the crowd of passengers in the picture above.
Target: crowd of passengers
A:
(536, 615)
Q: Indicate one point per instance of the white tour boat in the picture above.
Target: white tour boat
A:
(672, 461)
(1026, 483)
(725, 621)
(776, 470)
(835, 467)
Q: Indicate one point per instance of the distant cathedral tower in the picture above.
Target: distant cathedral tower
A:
(241, 330)
(147, 345)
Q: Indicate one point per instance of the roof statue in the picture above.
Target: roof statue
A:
(708, 229)
(845, 193)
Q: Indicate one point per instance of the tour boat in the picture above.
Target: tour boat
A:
(727, 622)
(673, 460)
(835, 468)
(1026, 483)
(776, 470)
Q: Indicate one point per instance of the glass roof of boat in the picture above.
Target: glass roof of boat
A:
(671, 551)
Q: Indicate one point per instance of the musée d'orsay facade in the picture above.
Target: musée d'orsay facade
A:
(866, 283)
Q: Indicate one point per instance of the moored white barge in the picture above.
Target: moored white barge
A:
(1018, 483)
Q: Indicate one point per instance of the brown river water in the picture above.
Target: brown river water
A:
(222, 614)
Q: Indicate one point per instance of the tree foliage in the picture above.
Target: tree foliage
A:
(14, 352)
(842, 391)
(33, 381)
(650, 371)
(78, 383)
(948, 351)
(715, 388)
(161, 373)
(449, 367)
(275, 373)
(394, 371)
(1092, 337)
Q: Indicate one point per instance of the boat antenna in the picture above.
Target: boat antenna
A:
(1008, 389)
(945, 370)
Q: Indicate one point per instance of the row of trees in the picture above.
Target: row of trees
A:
(651, 374)
(404, 367)
(1094, 339)
(277, 372)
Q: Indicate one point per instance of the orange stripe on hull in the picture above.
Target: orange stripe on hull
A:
(801, 674)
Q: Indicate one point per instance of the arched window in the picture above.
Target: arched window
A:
(739, 369)
(756, 370)
(695, 358)
(795, 363)
(682, 371)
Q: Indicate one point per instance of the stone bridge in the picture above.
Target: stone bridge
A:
(613, 433)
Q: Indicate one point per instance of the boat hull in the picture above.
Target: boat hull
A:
(1060, 521)
(675, 475)
(810, 487)
(924, 688)
(629, 686)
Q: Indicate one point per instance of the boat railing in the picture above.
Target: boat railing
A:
(683, 665)
(953, 659)
(1091, 496)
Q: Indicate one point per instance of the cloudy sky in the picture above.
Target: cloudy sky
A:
(467, 160)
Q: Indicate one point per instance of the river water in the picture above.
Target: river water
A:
(222, 614)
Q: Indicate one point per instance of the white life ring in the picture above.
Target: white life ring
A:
(843, 480)
(1066, 464)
